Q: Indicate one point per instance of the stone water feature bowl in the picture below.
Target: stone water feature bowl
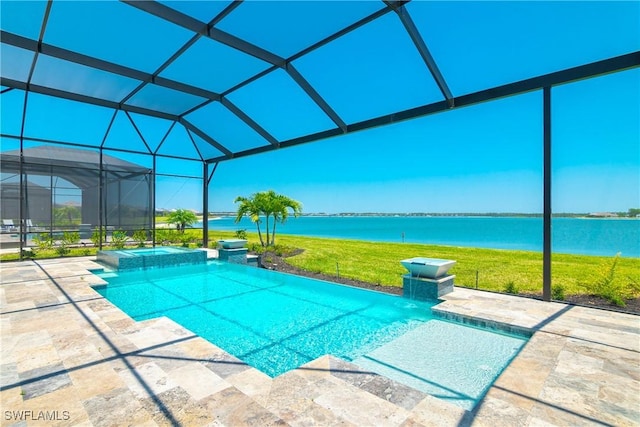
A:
(232, 243)
(430, 268)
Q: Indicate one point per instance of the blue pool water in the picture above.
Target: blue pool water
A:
(277, 322)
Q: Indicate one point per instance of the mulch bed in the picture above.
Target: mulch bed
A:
(271, 261)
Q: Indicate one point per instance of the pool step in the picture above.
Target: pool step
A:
(450, 361)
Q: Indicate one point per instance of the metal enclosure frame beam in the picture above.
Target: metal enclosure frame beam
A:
(249, 121)
(421, 46)
(102, 65)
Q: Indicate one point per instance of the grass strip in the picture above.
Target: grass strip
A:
(491, 269)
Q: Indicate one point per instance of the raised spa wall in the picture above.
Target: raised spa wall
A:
(124, 260)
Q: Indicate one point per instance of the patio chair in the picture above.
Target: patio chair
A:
(29, 227)
(8, 225)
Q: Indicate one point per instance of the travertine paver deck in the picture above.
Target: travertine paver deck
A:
(69, 357)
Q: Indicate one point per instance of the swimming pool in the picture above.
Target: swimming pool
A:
(277, 322)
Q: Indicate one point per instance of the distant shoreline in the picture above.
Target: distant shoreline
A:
(444, 215)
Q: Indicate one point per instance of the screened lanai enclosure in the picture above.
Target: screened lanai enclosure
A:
(105, 104)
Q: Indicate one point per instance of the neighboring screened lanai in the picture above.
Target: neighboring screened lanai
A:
(103, 103)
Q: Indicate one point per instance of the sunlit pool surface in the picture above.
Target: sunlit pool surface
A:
(277, 322)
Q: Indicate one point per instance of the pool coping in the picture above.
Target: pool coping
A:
(575, 369)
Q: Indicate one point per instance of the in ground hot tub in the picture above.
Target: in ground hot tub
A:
(431, 268)
(151, 257)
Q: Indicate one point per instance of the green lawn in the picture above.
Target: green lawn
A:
(493, 269)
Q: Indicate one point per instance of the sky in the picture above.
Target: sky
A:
(483, 158)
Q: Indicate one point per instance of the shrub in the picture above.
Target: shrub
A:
(511, 288)
(165, 235)
(185, 239)
(140, 236)
(241, 234)
(44, 241)
(118, 239)
(98, 236)
(608, 287)
(557, 293)
(28, 253)
(62, 248)
(255, 248)
(70, 238)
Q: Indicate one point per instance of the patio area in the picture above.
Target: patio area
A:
(70, 357)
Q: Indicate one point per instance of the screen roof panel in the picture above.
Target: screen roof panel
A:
(11, 106)
(54, 118)
(213, 66)
(501, 42)
(225, 127)
(371, 71)
(22, 17)
(124, 136)
(16, 62)
(153, 129)
(115, 32)
(206, 150)
(163, 99)
(178, 143)
(278, 104)
(71, 77)
(293, 25)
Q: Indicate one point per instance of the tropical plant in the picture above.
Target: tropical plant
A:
(118, 239)
(70, 238)
(557, 293)
(269, 204)
(182, 218)
(607, 287)
(98, 236)
(67, 215)
(44, 241)
(511, 288)
(165, 236)
(140, 236)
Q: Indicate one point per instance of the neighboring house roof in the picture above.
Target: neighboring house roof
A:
(80, 167)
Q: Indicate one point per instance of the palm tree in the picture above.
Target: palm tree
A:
(267, 203)
(182, 218)
(249, 207)
(281, 205)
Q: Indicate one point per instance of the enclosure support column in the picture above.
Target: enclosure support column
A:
(546, 251)
(153, 201)
(100, 202)
(205, 204)
(21, 197)
(53, 198)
